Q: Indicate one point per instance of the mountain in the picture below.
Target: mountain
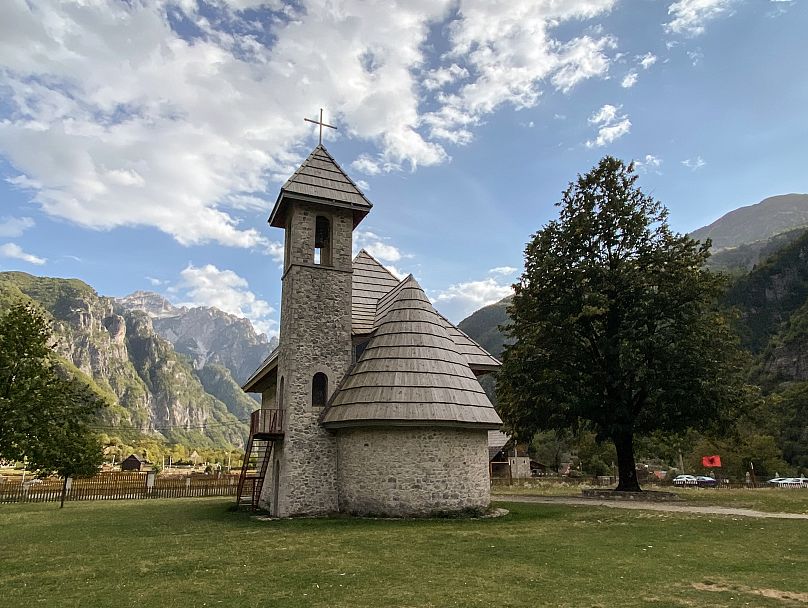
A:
(769, 296)
(742, 239)
(483, 326)
(743, 258)
(153, 304)
(207, 336)
(772, 302)
(153, 388)
(759, 222)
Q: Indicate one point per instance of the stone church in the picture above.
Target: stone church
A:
(371, 402)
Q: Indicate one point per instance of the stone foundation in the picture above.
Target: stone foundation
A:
(412, 471)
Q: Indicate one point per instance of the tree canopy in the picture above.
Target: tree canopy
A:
(615, 324)
(45, 414)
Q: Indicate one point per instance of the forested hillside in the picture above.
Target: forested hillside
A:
(768, 296)
(484, 326)
(743, 258)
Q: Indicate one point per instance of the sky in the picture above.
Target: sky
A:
(143, 142)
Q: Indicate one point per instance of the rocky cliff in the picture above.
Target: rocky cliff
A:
(207, 336)
(769, 296)
(154, 389)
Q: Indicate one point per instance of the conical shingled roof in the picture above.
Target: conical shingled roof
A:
(479, 358)
(321, 180)
(410, 372)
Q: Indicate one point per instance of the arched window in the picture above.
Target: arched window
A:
(322, 241)
(319, 390)
(280, 394)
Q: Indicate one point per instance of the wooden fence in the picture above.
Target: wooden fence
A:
(117, 486)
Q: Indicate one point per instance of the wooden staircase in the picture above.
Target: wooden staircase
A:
(266, 428)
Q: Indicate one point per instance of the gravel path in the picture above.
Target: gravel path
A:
(647, 506)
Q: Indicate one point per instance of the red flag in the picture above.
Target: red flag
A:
(711, 461)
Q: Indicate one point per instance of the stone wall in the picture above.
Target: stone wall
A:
(315, 337)
(412, 471)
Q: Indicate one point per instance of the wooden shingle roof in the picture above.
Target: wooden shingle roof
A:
(320, 180)
(371, 282)
(373, 288)
(410, 372)
(255, 383)
(496, 441)
(478, 358)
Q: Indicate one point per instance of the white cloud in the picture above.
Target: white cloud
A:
(581, 59)
(275, 250)
(362, 185)
(629, 80)
(503, 270)
(157, 282)
(649, 164)
(611, 125)
(440, 77)
(366, 164)
(377, 246)
(187, 137)
(15, 226)
(690, 16)
(461, 299)
(15, 252)
(224, 289)
(396, 272)
(694, 163)
(695, 56)
(647, 60)
(607, 114)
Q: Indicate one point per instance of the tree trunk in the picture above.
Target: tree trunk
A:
(64, 492)
(626, 468)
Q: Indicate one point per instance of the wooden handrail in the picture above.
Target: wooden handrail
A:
(267, 421)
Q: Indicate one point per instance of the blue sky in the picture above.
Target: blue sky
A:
(143, 143)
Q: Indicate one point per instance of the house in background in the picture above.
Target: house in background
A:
(133, 463)
(508, 459)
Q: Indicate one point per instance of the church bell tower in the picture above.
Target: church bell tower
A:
(318, 208)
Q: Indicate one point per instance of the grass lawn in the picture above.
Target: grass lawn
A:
(785, 500)
(193, 552)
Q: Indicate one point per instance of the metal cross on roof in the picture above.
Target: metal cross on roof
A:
(321, 123)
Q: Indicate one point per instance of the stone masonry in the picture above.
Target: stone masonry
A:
(412, 471)
(407, 433)
(315, 337)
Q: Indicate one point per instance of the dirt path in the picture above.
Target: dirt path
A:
(647, 506)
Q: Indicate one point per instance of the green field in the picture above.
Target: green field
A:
(783, 500)
(193, 553)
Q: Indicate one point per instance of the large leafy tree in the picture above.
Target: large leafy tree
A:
(46, 415)
(615, 324)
